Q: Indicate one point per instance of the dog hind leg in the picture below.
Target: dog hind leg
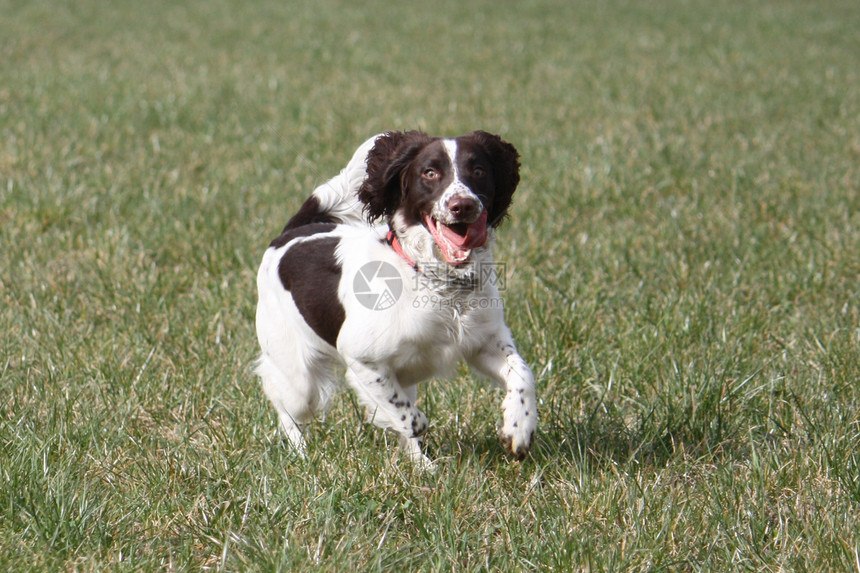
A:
(295, 396)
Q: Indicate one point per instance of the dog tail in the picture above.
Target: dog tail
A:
(336, 200)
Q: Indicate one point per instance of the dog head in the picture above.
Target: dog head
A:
(455, 188)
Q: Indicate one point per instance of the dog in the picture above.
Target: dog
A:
(386, 272)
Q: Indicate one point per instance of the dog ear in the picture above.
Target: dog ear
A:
(392, 153)
(506, 173)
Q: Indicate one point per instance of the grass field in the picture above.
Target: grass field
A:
(683, 277)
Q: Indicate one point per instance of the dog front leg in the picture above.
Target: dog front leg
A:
(390, 405)
(500, 361)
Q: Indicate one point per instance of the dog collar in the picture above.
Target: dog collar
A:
(391, 239)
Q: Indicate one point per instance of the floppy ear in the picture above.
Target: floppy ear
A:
(506, 173)
(392, 153)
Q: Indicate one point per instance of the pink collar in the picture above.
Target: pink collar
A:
(391, 239)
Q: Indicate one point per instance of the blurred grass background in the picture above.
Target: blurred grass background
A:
(682, 261)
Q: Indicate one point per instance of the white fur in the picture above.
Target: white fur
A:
(386, 353)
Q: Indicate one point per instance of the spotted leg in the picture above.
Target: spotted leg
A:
(500, 360)
(390, 405)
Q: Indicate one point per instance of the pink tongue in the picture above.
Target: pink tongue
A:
(455, 247)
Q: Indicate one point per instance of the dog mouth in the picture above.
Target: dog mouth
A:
(456, 240)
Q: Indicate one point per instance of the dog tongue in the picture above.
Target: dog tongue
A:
(455, 247)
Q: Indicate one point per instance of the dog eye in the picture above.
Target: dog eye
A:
(430, 174)
(478, 172)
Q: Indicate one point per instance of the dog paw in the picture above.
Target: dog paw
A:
(519, 423)
(517, 444)
(413, 449)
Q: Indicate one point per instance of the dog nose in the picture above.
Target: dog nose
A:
(466, 208)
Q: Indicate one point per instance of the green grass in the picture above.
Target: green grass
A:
(683, 278)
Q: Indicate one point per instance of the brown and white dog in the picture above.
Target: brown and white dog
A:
(398, 303)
